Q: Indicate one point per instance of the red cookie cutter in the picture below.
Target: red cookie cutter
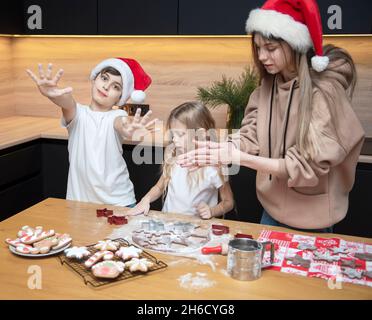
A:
(104, 212)
(219, 230)
(243, 235)
(117, 220)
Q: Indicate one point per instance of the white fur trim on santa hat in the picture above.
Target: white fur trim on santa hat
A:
(138, 96)
(280, 25)
(126, 76)
(319, 63)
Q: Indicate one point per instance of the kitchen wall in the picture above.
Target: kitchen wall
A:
(178, 65)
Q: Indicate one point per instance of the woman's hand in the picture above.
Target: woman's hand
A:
(47, 85)
(143, 207)
(209, 153)
(137, 128)
(204, 211)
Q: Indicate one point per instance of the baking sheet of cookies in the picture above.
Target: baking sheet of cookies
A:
(90, 279)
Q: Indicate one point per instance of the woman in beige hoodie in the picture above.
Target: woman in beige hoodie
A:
(299, 130)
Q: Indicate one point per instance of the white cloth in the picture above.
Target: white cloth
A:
(182, 196)
(98, 172)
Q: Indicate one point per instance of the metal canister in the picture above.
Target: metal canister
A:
(245, 256)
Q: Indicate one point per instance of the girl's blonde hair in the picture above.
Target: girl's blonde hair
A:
(195, 116)
(307, 139)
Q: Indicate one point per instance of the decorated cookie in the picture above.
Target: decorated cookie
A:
(38, 236)
(45, 245)
(12, 242)
(28, 231)
(77, 253)
(27, 249)
(136, 264)
(63, 240)
(98, 256)
(127, 253)
(107, 245)
(108, 269)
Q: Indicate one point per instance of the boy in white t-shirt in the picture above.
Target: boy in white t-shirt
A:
(185, 192)
(98, 172)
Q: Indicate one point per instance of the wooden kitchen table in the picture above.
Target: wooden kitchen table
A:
(80, 221)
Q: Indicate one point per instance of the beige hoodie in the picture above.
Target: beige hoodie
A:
(307, 194)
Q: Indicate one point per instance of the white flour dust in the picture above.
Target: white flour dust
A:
(195, 283)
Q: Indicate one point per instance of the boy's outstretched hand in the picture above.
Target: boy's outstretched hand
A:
(137, 128)
(47, 85)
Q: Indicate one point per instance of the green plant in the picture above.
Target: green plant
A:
(233, 93)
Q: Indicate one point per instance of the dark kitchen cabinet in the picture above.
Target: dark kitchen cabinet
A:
(142, 17)
(62, 17)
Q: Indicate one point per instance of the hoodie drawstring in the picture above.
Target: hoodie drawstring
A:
(287, 116)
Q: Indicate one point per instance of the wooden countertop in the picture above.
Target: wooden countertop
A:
(19, 129)
(79, 220)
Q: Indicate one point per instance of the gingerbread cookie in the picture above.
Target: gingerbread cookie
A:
(352, 273)
(306, 246)
(45, 245)
(363, 256)
(336, 250)
(37, 236)
(350, 263)
(127, 253)
(326, 256)
(77, 253)
(27, 249)
(107, 245)
(299, 261)
(108, 269)
(28, 231)
(13, 243)
(63, 240)
(136, 264)
(105, 255)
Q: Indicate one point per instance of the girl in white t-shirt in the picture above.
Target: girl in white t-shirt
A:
(185, 192)
(98, 172)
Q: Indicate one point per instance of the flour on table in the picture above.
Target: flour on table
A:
(196, 282)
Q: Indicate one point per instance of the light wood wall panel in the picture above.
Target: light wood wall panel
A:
(7, 98)
(178, 65)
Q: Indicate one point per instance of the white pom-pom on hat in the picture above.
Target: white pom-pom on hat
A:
(319, 63)
(138, 96)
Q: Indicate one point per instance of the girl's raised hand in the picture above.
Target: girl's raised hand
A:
(47, 85)
(138, 128)
(141, 208)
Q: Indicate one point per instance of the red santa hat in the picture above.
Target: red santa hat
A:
(135, 79)
(297, 22)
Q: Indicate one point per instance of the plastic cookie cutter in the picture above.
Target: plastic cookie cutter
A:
(243, 235)
(117, 220)
(104, 212)
(219, 230)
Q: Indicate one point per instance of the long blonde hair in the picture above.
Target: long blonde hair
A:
(307, 139)
(194, 115)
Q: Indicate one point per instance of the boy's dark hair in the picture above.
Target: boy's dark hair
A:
(109, 70)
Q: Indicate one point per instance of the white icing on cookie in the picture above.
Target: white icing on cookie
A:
(127, 253)
(107, 245)
(139, 264)
(77, 252)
